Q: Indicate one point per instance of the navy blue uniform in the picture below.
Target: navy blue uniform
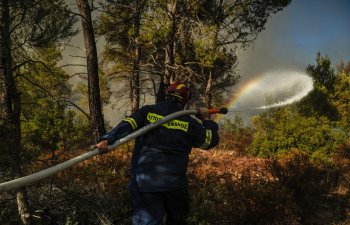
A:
(160, 157)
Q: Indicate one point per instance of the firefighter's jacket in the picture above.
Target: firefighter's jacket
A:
(160, 157)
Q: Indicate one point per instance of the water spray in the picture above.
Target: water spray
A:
(292, 86)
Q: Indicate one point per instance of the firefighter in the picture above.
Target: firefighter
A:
(158, 183)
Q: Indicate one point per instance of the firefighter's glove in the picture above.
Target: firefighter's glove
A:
(102, 146)
(203, 113)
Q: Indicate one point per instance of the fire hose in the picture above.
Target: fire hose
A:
(32, 178)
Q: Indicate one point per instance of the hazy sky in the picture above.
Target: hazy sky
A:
(293, 37)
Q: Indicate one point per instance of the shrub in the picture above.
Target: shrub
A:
(234, 136)
(312, 186)
(278, 131)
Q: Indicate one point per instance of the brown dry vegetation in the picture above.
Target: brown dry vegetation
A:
(226, 189)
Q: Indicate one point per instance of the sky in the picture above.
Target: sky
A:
(294, 35)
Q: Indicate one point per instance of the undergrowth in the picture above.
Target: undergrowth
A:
(225, 189)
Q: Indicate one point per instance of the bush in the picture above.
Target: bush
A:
(278, 131)
(312, 187)
(234, 136)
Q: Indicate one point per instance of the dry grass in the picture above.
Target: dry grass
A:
(226, 189)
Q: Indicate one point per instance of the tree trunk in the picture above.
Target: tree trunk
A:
(160, 96)
(208, 95)
(169, 64)
(23, 207)
(136, 80)
(136, 56)
(170, 75)
(12, 112)
(95, 106)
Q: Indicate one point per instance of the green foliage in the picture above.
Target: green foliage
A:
(39, 24)
(319, 101)
(54, 129)
(205, 44)
(51, 22)
(323, 73)
(48, 123)
(156, 25)
(197, 40)
(341, 99)
(279, 131)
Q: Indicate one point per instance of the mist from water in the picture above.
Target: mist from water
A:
(273, 89)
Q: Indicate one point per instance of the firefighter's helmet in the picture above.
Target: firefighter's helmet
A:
(178, 91)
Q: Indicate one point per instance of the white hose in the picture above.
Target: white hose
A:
(29, 179)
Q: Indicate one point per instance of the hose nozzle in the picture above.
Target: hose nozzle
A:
(223, 110)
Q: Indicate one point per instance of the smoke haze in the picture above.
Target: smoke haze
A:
(293, 37)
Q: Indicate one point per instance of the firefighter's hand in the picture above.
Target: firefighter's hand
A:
(102, 146)
(203, 113)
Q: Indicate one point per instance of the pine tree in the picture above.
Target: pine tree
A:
(24, 25)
